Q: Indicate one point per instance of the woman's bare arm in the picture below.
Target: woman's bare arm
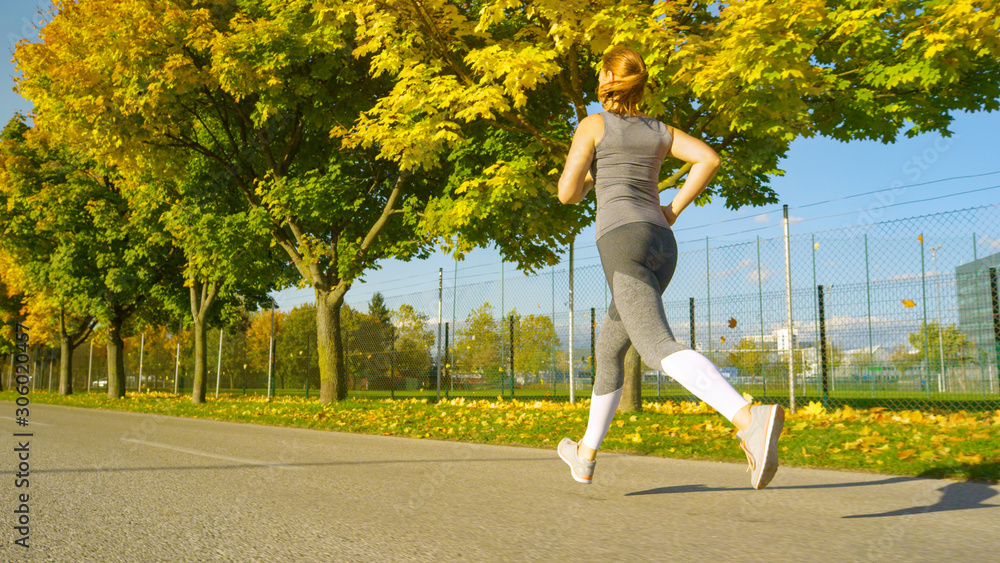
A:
(705, 163)
(576, 180)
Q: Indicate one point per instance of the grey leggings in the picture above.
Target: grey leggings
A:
(639, 260)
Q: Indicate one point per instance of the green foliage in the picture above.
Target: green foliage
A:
(412, 350)
(478, 345)
(80, 246)
(535, 344)
(748, 357)
(930, 338)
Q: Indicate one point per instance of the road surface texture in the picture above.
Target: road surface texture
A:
(110, 486)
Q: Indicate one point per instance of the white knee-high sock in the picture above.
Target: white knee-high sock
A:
(602, 410)
(700, 376)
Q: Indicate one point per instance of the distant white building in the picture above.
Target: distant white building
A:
(879, 355)
(778, 339)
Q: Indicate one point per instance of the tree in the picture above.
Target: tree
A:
(364, 354)
(259, 340)
(298, 344)
(87, 256)
(384, 337)
(413, 343)
(230, 267)
(477, 345)
(535, 343)
(747, 77)
(11, 305)
(747, 357)
(928, 341)
(248, 86)
(903, 359)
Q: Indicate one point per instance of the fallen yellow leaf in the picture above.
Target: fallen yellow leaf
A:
(974, 459)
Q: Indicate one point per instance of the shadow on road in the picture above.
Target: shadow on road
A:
(266, 465)
(705, 489)
(954, 496)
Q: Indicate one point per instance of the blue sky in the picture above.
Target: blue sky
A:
(821, 177)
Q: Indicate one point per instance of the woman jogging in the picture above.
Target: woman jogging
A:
(618, 153)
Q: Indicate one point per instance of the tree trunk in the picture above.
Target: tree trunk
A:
(198, 392)
(116, 360)
(632, 391)
(332, 375)
(202, 297)
(68, 343)
(65, 365)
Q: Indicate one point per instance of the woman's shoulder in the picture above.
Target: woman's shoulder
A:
(591, 127)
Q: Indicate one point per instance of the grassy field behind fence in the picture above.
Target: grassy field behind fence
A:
(955, 445)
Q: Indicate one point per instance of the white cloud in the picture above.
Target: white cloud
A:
(910, 277)
(741, 265)
(762, 218)
(765, 274)
(991, 243)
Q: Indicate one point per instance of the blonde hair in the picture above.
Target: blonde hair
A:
(622, 96)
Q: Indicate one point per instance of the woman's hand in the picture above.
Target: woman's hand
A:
(669, 214)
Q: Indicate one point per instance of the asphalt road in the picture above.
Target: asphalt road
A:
(108, 486)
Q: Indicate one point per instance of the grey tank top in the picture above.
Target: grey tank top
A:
(626, 171)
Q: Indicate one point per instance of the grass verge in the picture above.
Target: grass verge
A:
(956, 445)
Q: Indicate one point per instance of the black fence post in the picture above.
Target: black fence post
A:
(447, 364)
(996, 319)
(512, 356)
(822, 346)
(593, 366)
(692, 323)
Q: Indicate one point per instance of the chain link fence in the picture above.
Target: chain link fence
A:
(900, 314)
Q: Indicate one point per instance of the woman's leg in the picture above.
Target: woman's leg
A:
(610, 349)
(639, 260)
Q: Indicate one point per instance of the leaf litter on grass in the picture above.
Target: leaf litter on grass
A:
(958, 445)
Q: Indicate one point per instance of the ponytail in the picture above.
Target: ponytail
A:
(622, 96)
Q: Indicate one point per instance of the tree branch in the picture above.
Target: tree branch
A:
(387, 211)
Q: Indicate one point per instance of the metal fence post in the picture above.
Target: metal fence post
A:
(440, 297)
(142, 350)
(708, 299)
(177, 365)
(692, 322)
(572, 383)
(51, 359)
(218, 366)
(90, 364)
(926, 329)
(760, 296)
(593, 365)
(270, 359)
(996, 319)
(815, 246)
(553, 329)
(822, 346)
(447, 364)
(512, 356)
(871, 344)
(791, 325)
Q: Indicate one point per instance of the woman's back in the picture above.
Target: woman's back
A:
(626, 171)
